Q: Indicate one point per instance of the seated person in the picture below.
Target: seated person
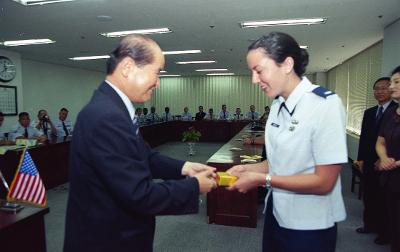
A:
(3, 134)
(145, 113)
(140, 116)
(264, 116)
(210, 115)
(152, 117)
(252, 114)
(44, 124)
(63, 126)
(200, 115)
(186, 116)
(238, 115)
(224, 114)
(25, 131)
(166, 117)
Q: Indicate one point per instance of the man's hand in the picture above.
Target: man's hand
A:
(206, 181)
(191, 169)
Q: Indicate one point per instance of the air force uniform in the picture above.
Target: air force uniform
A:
(306, 130)
(64, 128)
(29, 132)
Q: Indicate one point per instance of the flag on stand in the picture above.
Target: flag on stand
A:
(27, 185)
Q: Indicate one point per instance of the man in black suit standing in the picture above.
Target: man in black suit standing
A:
(113, 199)
(374, 215)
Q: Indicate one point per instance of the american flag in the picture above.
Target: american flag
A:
(27, 185)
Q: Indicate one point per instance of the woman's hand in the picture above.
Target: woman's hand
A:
(386, 164)
(247, 181)
(236, 170)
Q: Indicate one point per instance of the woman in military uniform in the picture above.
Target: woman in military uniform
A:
(306, 145)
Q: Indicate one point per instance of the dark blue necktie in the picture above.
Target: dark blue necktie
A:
(379, 115)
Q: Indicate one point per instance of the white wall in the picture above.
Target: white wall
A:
(16, 82)
(391, 48)
(51, 87)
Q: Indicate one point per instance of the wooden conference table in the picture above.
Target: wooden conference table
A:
(227, 207)
(51, 160)
(23, 231)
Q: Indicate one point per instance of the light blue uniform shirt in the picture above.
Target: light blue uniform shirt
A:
(60, 129)
(186, 116)
(223, 116)
(315, 134)
(254, 114)
(19, 131)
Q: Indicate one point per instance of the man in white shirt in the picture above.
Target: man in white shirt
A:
(24, 131)
(153, 116)
(252, 114)
(186, 116)
(166, 117)
(3, 138)
(224, 114)
(238, 115)
(63, 126)
(44, 124)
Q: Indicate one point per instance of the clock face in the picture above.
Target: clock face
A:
(7, 69)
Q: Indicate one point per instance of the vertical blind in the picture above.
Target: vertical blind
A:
(353, 81)
(210, 92)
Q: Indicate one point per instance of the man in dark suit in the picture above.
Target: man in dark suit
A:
(113, 199)
(374, 215)
(200, 115)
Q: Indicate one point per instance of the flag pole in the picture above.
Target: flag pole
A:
(4, 181)
(6, 205)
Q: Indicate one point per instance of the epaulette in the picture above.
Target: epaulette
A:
(323, 92)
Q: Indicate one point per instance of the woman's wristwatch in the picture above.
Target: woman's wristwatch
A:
(268, 181)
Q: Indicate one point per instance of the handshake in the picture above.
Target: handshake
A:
(204, 174)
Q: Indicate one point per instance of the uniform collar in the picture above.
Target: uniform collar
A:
(304, 86)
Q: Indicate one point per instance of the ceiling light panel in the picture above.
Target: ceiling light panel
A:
(40, 2)
(90, 57)
(212, 70)
(219, 74)
(27, 42)
(181, 52)
(299, 21)
(142, 31)
(196, 62)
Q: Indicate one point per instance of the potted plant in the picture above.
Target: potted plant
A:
(191, 135)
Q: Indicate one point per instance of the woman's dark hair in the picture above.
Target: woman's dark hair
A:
(136, 47)
(396, 70)
(278, 46)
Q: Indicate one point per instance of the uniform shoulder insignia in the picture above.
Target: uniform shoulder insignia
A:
(323, 92)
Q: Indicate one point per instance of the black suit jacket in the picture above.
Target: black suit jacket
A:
(368, 137)
(113, 199)
(200, 116)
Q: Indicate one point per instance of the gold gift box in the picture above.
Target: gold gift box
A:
(224, 179)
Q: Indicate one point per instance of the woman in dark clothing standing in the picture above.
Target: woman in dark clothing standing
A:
(388, 149)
